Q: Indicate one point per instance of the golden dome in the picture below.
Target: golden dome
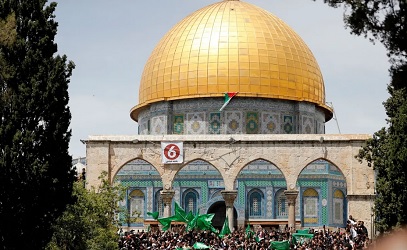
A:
(231, 46)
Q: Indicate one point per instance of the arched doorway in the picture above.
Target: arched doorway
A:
(219, 209)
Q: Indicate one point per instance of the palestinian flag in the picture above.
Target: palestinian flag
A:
(228, 97)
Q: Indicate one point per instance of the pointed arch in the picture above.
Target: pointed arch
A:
(263, 177)
(316, 182)
(262, 167)
(139, 177)
(326, 161)
(137, 168)
(198, 161)
(116, 169)
(199, 177)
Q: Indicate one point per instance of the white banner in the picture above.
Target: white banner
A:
(172, 152)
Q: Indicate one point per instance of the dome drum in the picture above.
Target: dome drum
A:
(241, 116)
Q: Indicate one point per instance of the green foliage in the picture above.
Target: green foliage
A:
(8, 30)
(386, 21)
(89, 223)
(8, 35)
(36, 175)
(387, 153)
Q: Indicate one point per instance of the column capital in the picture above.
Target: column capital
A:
(167, 196)
(291, 195)
(229, 196)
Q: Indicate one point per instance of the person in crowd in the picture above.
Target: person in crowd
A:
(354, 237)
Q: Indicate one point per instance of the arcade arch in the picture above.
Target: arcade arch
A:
(257, 183)
(143, 185)
(322, 186)
(194, 185)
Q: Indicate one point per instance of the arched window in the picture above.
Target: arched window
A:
(159, 204)
(310, 202)
(190, 201)
(281, 205)
(338, 207)
(255, 203)
(136, 199)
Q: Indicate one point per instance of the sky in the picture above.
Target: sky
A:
(110, 42)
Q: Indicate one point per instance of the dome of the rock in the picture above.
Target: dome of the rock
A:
(230, 46)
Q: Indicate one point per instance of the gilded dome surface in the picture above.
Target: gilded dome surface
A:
(231, 46)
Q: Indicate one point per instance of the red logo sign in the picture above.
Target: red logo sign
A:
(172, 152)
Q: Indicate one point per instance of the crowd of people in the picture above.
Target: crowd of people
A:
(354, 236)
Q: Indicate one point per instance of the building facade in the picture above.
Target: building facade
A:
(265, 158)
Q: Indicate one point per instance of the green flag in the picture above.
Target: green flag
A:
(202, 222)
(301, 237)
(280, 245)
(166, 222)
(249, 232)
(257, 238)
(199, 245)
(190, 216)
(153, 214)
(302, 231)
(182, 216)
(225, 228)
(192, 223)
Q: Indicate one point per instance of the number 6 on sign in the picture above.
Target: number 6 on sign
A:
(172, 152)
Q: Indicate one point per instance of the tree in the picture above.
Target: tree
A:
(36, 174)
(7, 38)
(91, 222)
(387, 153)
(386, 21)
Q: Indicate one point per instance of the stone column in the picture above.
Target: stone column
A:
(291, 196)
(166, 196)
(229, 197)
